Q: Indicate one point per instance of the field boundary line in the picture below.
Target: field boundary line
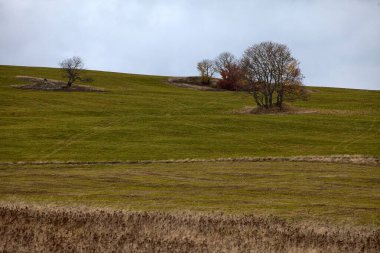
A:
(352, 159)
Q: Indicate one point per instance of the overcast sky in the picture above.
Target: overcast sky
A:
(336, 41)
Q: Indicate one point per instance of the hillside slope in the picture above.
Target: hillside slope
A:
(143, 117)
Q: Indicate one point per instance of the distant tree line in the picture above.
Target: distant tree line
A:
(268, 70)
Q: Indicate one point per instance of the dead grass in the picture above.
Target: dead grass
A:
(353, 159)
(193, 83)
(53, 229)
(287, 109)
(35, 83)
(295, 110)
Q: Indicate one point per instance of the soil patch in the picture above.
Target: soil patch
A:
(286, 109)
(193, 82)
(36, 83)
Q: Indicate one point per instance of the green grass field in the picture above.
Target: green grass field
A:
(318, 191)
(142, 117)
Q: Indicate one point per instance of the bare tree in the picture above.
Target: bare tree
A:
(72, 69)
(207, 70)
(227, 65)
(271, 71)
(224, 61)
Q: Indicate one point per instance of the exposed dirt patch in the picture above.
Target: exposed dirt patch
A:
(36, 83)
(287, 109)
(193, 83)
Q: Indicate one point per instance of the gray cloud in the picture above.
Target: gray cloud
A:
(337, 42)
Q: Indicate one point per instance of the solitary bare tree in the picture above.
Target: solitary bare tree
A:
(72, 69)
(207, 70)
(272, 72)
(227, 65)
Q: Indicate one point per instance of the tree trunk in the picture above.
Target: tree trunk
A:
(266, 101)
(256, 98)
(270, 96)
(280, 98)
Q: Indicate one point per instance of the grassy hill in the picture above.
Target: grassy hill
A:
(294, 190)
(143, 117)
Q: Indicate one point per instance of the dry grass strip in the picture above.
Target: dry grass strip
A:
(52, 229)
(36, 83)
(353, 159)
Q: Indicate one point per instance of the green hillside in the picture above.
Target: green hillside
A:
(295, 190)
(143, 117)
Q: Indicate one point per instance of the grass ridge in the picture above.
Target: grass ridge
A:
(354, 159)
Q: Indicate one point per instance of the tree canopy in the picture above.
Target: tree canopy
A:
(272, 72)
(268, 70)
(72, 69)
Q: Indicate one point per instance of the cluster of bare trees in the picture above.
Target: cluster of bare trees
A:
(227, 66)
(267, 69)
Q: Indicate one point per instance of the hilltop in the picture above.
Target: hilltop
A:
(145, 118)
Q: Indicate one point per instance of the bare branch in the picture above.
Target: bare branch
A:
(72, 69)
(207, 70)
(270, 69)
(227, 65)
